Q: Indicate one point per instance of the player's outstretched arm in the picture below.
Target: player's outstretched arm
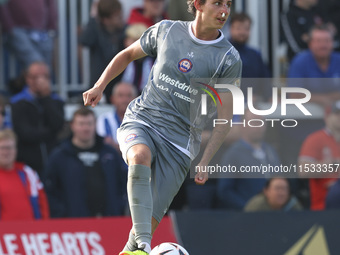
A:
(217, 136)
(114, 68)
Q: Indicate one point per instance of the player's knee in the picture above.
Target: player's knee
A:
(139, 156)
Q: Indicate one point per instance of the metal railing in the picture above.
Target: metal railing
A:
(72, 75)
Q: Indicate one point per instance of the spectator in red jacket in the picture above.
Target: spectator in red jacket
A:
(151, 13)
(320, 157)
(22, 196)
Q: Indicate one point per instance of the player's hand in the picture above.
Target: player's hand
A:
(92, 96)
(201, 177)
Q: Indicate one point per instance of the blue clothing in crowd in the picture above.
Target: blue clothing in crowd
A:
(305, 66)
(26, 95)
(253, 67)
(233, 193)
(333, 197)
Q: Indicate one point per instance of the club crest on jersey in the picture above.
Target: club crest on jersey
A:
(185, 65)
(130, 138)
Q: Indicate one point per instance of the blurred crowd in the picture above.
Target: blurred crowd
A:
(54, 167)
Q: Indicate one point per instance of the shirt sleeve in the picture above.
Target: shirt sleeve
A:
(153, 37)
(231, 70)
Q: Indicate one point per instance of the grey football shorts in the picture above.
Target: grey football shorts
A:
(169, 166)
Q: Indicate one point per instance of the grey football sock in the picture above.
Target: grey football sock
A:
(140, 201)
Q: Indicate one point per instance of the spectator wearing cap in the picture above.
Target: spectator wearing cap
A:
(137, 72)
(321, 150)
(275, 197)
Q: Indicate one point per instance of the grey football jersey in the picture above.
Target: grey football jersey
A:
(169, 99)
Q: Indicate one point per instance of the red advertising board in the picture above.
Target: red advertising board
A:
(72, 236)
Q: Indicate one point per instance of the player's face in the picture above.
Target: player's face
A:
(8, 153)
(212, 13)
(84, 128)
(240, 31)
(321, 44)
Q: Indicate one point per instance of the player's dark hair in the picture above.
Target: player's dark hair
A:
(108, 7)
(191, 6)
(240, 17)
(83, 111)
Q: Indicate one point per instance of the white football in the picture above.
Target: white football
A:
(169, 249)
